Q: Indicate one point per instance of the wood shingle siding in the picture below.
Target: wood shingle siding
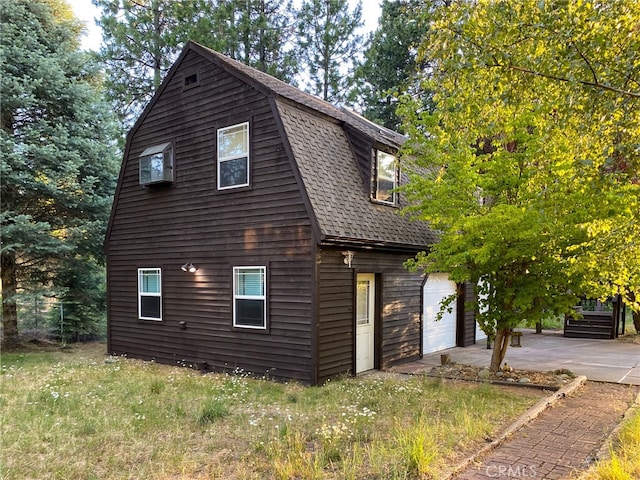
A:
(399, 329)
(466, 331)
(189, 220)
(335, 315)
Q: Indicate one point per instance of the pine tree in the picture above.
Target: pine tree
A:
(58, 162)
(390, 64)
(140, 41)
(142, 38)
(258, 33)
(330, 47)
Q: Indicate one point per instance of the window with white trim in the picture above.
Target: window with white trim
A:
(249, 297)
(233, 156)
(149, 294)
(385, 178)
(156, 164)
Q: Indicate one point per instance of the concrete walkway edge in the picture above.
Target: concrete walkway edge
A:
(520, 422)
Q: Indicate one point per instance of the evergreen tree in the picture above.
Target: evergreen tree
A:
(142, 38)
(139, 44)
(330, 47)
(390, 62)
(258, 33)
(83, 303)
(58, 163)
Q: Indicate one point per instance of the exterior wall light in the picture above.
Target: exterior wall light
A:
(348, 257)
(189, 267)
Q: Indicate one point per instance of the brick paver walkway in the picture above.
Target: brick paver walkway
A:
(562, 439)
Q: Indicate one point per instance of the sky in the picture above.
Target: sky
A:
(85, 10)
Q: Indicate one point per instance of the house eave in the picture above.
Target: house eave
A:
(366, 244)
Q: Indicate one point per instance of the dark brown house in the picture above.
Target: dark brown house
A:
(255, 226)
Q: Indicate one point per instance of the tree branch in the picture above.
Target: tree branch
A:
(593, 72)
(602, 86)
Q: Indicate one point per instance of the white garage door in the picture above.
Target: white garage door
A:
(438, 335)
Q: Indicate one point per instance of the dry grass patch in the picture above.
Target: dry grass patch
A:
(81, 414)
(630, 337)
(623, 462)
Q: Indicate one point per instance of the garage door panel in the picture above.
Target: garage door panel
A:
(441, 334)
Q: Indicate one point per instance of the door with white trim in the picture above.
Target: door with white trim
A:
(365, 322)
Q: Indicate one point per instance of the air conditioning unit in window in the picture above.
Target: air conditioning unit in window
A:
(156, 164)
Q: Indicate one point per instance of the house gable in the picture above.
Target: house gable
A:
(264, 225)
(367, 223)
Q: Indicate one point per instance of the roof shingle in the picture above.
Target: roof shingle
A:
(333, 184)
(339, 199)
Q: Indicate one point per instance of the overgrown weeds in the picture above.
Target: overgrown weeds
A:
(82, 414)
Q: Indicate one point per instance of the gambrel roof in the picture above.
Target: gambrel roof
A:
(335, 189)
(319, 137)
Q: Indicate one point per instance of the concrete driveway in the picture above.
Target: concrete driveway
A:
(601, 360)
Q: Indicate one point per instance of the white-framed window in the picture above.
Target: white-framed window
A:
(233, 156)
(156, 164)
(249, 297)
(385, 178)
(149, 294)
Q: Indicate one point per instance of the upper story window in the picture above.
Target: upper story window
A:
(385, 178)
(156, 164)
(149, 294)
(233, 156)
(249, 297)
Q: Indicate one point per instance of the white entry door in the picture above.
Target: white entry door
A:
(441, 334)
(365, 328)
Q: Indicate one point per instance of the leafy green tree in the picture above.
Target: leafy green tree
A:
(58, 163)
(328, 44)
(608, 261)
(529, 166)
(390, 62)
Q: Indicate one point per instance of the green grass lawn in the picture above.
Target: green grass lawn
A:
(549, 323)
(79, 414)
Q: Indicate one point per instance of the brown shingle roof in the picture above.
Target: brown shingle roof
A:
(333, 183)
(340, 201)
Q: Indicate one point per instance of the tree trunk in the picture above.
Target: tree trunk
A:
(635, 314)
(157, 60)
(499, 348)
(10, 337)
